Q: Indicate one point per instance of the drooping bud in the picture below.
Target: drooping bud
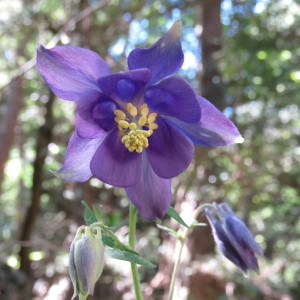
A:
(233, 238)
(86, 260)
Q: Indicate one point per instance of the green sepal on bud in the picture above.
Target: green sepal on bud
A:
(86, 260)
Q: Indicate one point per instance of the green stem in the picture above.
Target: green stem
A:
(182, 237)
(111, 234)
(82, 297)
(134, 270)
(178, 253)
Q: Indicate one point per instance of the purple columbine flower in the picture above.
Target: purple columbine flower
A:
(134, 129)
(233, 238)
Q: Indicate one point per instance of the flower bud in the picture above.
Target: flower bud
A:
(86, 260)
(233, 238)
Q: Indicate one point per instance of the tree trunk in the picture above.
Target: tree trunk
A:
(203, 285)
(212, 86)
(12, 97)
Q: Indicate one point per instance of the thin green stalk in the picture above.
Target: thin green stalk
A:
(178, 253)
(134, 270)
(82, 297)
(182, 237)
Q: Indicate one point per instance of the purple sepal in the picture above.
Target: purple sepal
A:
(71, 72)
(213, 129)
(78, 157)
(164, 58)
(151, 195)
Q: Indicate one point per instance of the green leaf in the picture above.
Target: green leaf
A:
(110, 242)
(128, 256)
(174, 214)
(89, 216)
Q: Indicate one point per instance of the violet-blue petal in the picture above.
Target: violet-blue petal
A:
(95, 117)
(170, 152)
(78, 157)
(241, 235)
(164, 58)
(214, 128)
(125, 86)
(151, 195)
(226, 247)
(233, 237)
(174, 97)
(242, 240)
(237, 228)
(114, 164)
(71, 72)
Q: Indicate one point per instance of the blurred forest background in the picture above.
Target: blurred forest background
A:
(244, 56)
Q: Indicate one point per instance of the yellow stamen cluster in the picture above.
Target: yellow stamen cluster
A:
(132, 124)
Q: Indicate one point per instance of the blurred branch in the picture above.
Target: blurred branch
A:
(13, 96)
(71, 23)
(40, 244)
(67, 27)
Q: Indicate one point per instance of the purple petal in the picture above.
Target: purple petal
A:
(243, 241)
(241, 235)
(164, 58)
(170, 152)
(71, 72)
(214, 129)
(237, 228)
(227, 248)
(95, 117)
(78, 157)
(174, 97)
(114, 164)
(151, 195)
(125, 86)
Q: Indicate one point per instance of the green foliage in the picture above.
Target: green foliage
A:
(174, 214)
(128, 256)
(89, 216)
(117, 249)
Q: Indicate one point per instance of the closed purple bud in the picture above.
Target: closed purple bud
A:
(233, 238)
(86, 260)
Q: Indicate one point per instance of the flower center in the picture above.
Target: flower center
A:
(135, 126)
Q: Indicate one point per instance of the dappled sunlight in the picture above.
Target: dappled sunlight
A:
(249, 70)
